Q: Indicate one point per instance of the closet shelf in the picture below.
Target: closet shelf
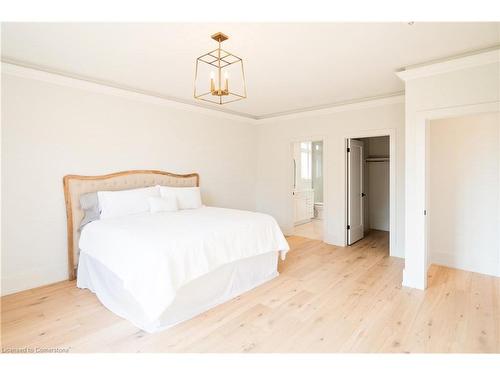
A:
(375, 159)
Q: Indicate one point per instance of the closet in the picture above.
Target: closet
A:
(376, 183)
(368, 194)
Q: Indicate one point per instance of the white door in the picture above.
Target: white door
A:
(355, 194)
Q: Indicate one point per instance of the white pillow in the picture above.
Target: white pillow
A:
(165, 204)
(125, 202)
(187, 197)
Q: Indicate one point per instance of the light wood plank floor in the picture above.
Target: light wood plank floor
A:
(327, 299)
(312, 230)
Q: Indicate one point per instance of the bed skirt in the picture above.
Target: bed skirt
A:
(194, 298)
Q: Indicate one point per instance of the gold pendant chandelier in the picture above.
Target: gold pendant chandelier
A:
(214, 72)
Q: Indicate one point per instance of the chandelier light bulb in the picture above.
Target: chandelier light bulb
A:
(226, 85)
(212, 83)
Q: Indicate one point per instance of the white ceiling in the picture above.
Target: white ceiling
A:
(289, 66)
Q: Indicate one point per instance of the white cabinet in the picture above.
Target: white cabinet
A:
(303, 206)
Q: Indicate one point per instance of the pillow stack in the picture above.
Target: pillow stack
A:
(154, 199)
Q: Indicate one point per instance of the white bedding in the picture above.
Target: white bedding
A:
(156, 254)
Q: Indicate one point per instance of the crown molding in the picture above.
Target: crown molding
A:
(63, 79)
(22, 70)
(484, 57)
(351, 105)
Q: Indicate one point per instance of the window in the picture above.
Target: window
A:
(305, 160)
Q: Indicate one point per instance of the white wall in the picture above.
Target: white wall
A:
(378, 195)
(274, 164)
(378, 175)
(464, 185)
(49, 131)
(460, 86)
(378, 146)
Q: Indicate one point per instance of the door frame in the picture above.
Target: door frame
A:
(326, 196)
(416, 254)
(391, 133)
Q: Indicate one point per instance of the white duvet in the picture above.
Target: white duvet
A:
(156, 254)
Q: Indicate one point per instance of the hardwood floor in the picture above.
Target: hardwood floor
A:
(327, 299)
(312, 230)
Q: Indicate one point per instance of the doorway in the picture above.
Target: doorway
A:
(462, 199)
(417, 236)
(368, 187)
(307, 188)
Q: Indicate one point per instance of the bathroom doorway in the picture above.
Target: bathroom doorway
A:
(307, 189)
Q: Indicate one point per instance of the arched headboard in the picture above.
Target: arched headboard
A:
(75, 185)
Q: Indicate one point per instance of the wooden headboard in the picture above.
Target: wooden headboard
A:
(75, 185)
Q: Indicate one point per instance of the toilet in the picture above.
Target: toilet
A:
(318, 210)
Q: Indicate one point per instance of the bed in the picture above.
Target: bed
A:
(159, 269)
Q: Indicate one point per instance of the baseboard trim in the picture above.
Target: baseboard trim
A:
(410, 282)
(448, 260)
(33, 279)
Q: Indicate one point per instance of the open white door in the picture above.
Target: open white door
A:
(355, 230)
